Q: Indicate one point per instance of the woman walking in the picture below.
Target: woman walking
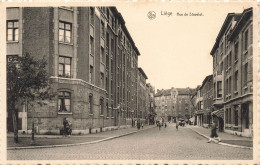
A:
(214, 132)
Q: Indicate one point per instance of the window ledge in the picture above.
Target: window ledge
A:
(107, 117)
(236, 61)
(64, 43)
(245, 87)
(91, 114)
(229, 67)
(101, 115)
(112, 117)
(66, 8)
(64, 113)
(12, 42)
(236, 92)
(65, 77)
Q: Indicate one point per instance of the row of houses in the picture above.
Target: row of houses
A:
(174, 104)
(226, 95)
(92, 62)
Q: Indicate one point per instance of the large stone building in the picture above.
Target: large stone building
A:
(92, 60)
(232, 74)
(174, 103)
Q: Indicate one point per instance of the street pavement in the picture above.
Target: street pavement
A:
(46, 140)
(226, 137)
(150, 144)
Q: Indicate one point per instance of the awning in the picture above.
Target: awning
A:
(219, 113)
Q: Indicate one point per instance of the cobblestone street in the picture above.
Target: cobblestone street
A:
(164, 144)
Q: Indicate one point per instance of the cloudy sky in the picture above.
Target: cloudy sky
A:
(175, 50)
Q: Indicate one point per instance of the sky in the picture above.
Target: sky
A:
(175, 50)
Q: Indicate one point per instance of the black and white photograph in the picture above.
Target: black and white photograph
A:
(130, 81)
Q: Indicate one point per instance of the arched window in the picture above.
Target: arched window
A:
(91, 104)
(101, 106)
(64, 100)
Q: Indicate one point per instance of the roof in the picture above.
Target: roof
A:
(247, 13)
(222, 31)
(141, 71)
(183, 91)
(207, 78)
(120, 17)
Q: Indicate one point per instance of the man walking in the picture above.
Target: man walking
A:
(214, 132)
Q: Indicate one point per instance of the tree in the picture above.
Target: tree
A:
(27, 81)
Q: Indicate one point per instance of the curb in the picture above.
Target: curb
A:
(221, 143)
(77, 144)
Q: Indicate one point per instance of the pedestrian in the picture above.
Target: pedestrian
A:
(165, 125)
(159, 124)
(65, 123)
(142, 125)
(70, 128)
(177, 125)
(214, 132)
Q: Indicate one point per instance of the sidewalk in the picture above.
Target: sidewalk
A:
(43, 141)
(226, 138)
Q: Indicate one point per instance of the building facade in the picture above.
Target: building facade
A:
(204, 102)
(92, 62)
(174, 103)
(232, 74)
(142, 96)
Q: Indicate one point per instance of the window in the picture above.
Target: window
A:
(92, 14)
(226, 116)
(246, 40)
(245, 73)
(236, 117)
(112, 45)
(236, 51)
(107, 110)
(64, 102)
(112, 108)
(236, 80)
(65, 32)
(230, 58)
(90, 104)
(107, 84)
(101, 107)
(227, 85)
(102, 55)
(221, 47)
(12, 30)
(102, 80)
(102, 29)
(91, 74)
(219, 89)
(229, 88)
(64, 67)
(91, 46)
(229, 116)
(201, 104)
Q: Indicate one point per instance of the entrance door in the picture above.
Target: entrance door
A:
(221, 124)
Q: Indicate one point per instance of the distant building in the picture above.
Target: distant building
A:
(204, 102)
(233, 74)
(174, 103)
